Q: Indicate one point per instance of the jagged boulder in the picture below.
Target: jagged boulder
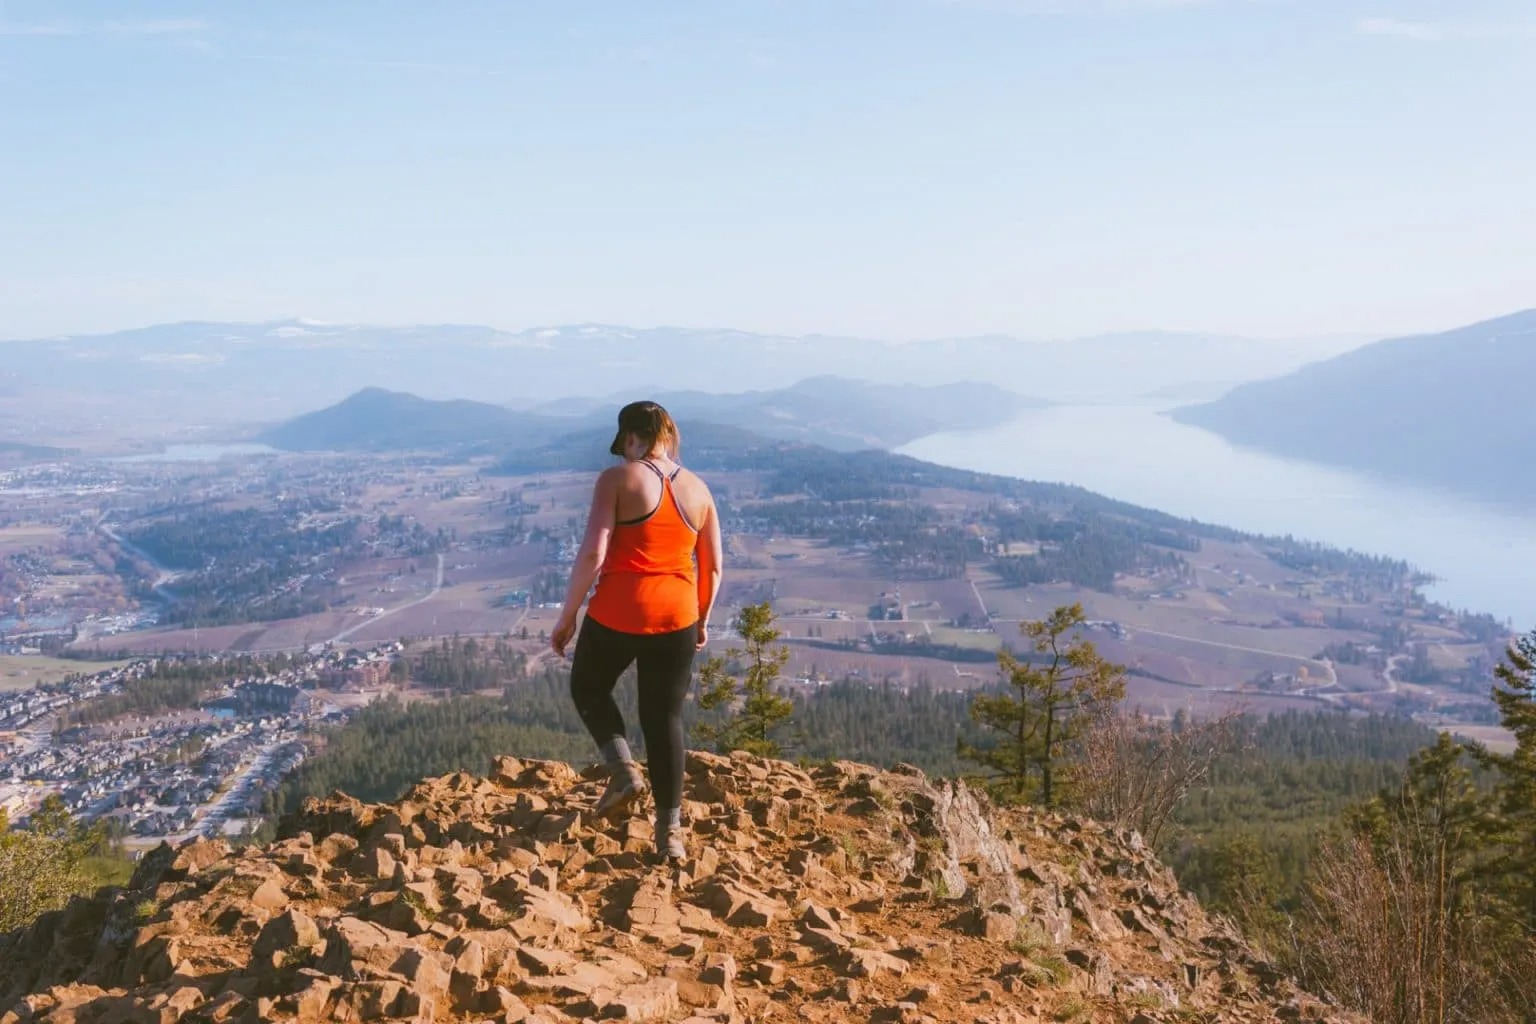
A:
(842, 893)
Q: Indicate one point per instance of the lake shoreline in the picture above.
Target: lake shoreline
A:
(1478, 554)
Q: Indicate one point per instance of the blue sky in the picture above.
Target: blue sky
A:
(893, 168)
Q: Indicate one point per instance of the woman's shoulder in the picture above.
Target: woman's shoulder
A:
(692, 488)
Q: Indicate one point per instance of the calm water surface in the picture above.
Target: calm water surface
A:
(199, 453)
(1483, 553)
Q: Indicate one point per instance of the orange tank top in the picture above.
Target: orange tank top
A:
(648, 583)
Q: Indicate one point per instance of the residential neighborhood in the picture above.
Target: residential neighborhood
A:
(181, 771)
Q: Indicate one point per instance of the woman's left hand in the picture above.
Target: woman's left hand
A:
(561, 637)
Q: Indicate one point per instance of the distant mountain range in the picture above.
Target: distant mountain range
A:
(840, 414)
(230, 373)
(1455, 410)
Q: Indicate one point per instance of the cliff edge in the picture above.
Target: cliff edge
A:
(839, 893)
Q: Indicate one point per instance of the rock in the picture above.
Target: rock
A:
(471, 960)
(544, 961)
(719, 969)
(312, 996)
(740, 906)
(872, 963)
(585, 980)
(506, 771)
(269, 896)
(653, 999)
(350, 941)
(374, 1000)
(197, 855)
(161, 958)
(1096, 967)
(998, 927)
(506, 1006)
(499, 899)
(290, 930)
(336, 849)
(822, 941)
(376, 862)
(424, 970)
(1137, 919)
(552, 911)
(651, 909)
(817, 916)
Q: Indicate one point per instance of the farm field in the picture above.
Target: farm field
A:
(26, 537)
(24, 671)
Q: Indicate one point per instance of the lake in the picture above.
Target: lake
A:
(199, 453)
(1483, 553)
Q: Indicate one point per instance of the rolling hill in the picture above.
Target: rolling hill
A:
(835, 413)
(1454, 410)
(376, 419)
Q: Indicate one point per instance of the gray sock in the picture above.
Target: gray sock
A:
(668, 821)
(616, 751)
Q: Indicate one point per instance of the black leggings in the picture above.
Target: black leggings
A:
(664, 665)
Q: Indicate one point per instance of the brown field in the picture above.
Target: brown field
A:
(1491, 736)
(1161, 699)
(24, 671)
(15, 540)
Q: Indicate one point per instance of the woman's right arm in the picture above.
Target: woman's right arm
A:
(589, 560)
(710, 554)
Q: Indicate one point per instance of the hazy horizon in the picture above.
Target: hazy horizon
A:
(1338, 338)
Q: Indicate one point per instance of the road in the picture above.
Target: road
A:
(1390, 672)
(1333, 675)
(437, 587)
(163, 575)
(986, 616)
(234, 788)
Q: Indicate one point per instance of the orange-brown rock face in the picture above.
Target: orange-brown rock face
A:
(836, 894)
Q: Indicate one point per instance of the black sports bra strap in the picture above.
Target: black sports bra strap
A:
(673, 475)
(654, 468)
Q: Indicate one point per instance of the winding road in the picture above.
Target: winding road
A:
(163, 575)
(437, 587)
(1333, 675)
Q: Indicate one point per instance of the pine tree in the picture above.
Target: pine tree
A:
(1515, 694)
(1045, 707)
(40, 867)
(1395, 921)
(752, 710)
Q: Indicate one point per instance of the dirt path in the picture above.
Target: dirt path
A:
(437, 587)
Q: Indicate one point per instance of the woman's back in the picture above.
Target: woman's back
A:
(640, 490)
(648, 582)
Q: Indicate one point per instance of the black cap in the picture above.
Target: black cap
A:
(643, 419)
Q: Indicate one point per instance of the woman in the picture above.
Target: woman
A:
(653, 547)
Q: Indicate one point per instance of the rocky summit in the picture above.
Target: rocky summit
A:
(836, 893)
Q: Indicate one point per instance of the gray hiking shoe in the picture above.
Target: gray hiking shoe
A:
(624, 787)
(669, 844)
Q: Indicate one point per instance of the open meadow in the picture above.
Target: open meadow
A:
(24, 671)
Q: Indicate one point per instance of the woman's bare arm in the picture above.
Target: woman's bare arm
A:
(710, 554)
(594, 548)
